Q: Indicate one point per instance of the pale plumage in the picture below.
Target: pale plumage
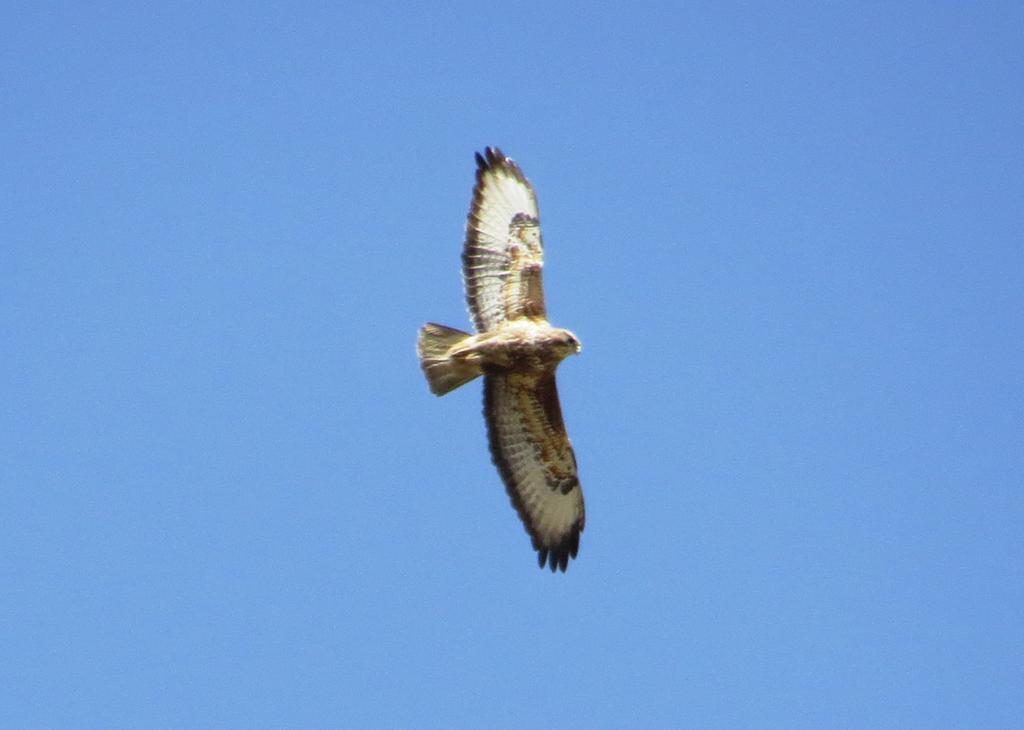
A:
(517, 352)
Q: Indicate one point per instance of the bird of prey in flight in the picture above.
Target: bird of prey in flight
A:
(516, 350)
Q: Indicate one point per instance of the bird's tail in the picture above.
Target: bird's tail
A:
(444, 371)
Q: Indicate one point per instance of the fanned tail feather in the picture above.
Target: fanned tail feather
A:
(444, 373)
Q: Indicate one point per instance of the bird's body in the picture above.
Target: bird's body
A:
(520, 346)
(517, 351)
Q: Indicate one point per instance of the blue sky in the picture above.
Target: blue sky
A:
(790, 237)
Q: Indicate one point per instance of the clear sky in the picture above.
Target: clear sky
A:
(790, 237)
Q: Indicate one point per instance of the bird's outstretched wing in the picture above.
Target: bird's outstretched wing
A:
(532, 451)
(503, 258)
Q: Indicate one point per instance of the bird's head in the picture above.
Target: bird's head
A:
(567, 343)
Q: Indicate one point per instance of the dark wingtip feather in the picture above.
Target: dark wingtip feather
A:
(557, 557)
(496, 156)
(494, 159)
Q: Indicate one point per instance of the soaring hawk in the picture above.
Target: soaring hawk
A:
(517, 351)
